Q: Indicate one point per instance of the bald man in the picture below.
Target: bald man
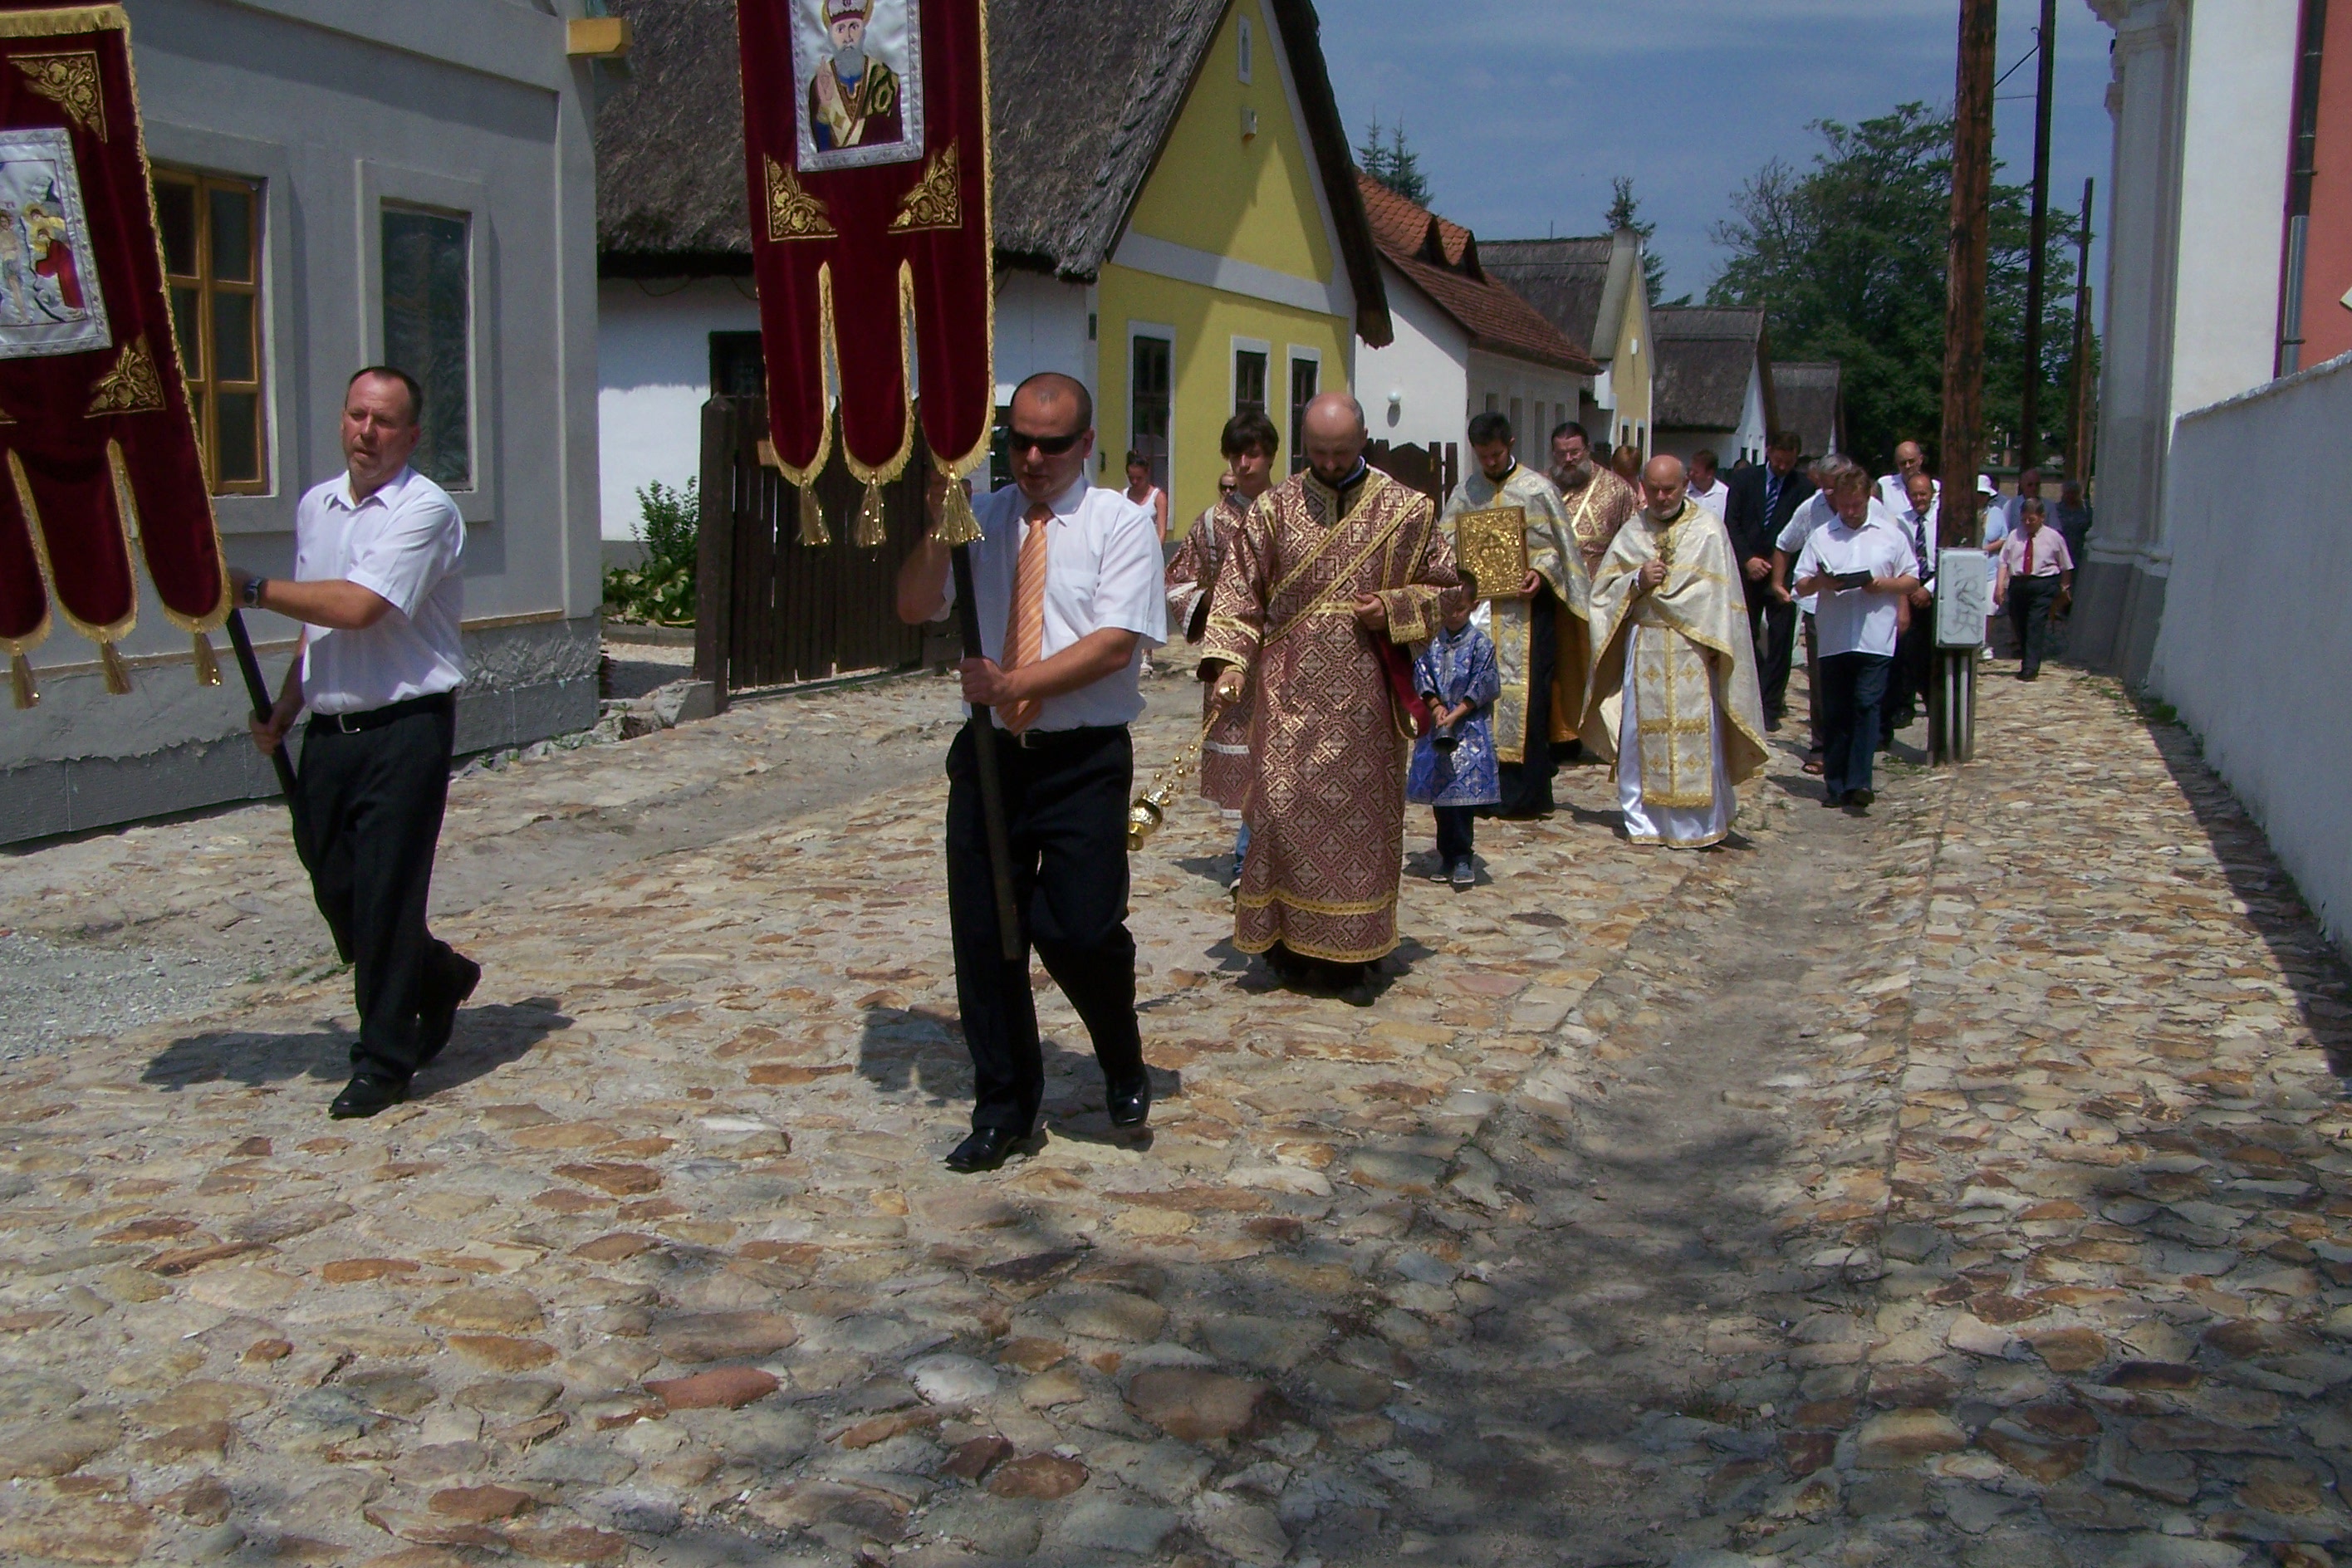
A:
(1674, 697)
(1334, 572)
(1068, 580)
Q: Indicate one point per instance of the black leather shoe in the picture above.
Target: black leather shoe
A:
(1131, 1104)
(985, 1149)
(1862, 797)
(366, 1094)
(443, 994)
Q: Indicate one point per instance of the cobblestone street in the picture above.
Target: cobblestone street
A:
(1966, 1185)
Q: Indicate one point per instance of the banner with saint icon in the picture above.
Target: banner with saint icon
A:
(866, 135)
(96, 439)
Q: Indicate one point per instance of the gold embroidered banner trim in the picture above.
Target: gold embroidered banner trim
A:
(20, 682)
(133, 386)
(70, 19)
(958, 523)
(71, 82)
(793, 213)
(872, 531)
(936, 199)
(813, 531)
(207, 662)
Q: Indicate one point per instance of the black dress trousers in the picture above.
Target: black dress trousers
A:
(1526, 785)
(1773, 625)
(371, 802)
(1066, 799)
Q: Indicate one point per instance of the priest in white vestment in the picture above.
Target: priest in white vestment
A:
(1674, 698)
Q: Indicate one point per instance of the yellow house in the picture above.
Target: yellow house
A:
(1220, 255)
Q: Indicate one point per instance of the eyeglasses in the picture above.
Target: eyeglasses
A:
(1048, 445)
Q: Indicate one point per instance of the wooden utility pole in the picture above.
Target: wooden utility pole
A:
(2028, 422)
(1953, 695)
(2079, 421)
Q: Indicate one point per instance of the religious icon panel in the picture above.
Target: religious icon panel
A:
(858, 65)
(49, 300)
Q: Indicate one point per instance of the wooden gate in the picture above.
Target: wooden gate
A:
(1433, 470)
(768, 610)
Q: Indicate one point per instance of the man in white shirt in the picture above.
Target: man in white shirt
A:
(1895, 490)
(1067, 584)
(378, 588)
(1859, 569)
(1707, 487)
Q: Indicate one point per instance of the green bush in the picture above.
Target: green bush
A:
(662, 590)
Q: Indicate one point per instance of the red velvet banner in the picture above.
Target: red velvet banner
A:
(866, 130)
(96, 437)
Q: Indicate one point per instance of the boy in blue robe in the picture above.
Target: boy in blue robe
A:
(1454, 768)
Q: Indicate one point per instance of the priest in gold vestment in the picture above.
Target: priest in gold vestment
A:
(1336, 570)
(1538, 622)
(1673, 696)
(1597, 500)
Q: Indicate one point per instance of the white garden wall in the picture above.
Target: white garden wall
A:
(2255, 644)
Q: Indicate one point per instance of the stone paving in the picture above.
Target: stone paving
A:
(1967, 1184)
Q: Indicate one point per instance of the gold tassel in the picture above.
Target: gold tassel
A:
(20, 677)
(207, 666)
(958, 525)
(871, 533)
(118, 675)
(814, 532)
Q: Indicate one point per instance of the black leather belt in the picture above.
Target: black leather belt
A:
(392, 713)
(1046, 740)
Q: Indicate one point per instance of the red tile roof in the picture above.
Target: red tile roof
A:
(1441, 259)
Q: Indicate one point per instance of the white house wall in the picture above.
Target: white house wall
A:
(653, 369)
(1042, 323)
(1416, 389)
(1749, 441)
(2253, 623)
(1535, 396)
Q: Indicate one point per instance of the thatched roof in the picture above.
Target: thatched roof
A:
(1812, 402)
(1083, 97)
(1706, 359)
(1566, 280)
(1441, 259)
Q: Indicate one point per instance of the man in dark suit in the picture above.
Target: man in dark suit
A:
(1763, 501)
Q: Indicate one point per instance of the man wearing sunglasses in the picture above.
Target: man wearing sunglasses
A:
(1067, 577)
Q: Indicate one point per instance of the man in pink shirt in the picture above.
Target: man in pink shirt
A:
(2036, 582)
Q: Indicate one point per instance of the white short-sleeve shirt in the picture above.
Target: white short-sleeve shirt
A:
(403, 544)
(1857, 620)
(1103, 569)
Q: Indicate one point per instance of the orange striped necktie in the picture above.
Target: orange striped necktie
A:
(1024, 627)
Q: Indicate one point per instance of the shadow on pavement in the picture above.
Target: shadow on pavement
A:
(486, 1039)
(2313, 966)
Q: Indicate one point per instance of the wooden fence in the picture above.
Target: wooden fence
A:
(1433, 470)
(770, 610)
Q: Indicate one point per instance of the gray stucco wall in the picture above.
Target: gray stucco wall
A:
(69, 765)
(336, 107)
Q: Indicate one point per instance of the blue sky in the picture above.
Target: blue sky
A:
(1523, 110)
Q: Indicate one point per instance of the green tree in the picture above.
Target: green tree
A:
(1393, 163)
(1848, 258)
(1625, 212)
